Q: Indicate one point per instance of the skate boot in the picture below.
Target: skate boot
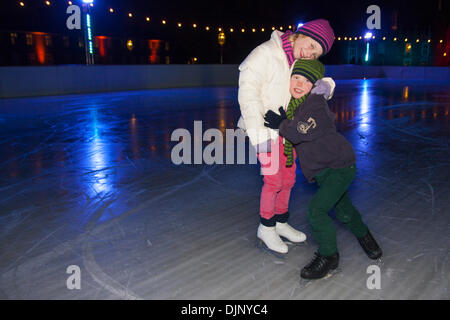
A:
(271, 239)
(286, 231)
(370, 246)
(320, 266)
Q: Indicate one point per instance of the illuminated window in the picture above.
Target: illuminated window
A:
(66, 41)
(408, 47)
(29, 39)
(13, 38)
(48, 40)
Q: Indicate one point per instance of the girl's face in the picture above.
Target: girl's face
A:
(306, 48)
(299, 86)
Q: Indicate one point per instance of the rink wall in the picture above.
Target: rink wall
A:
(73, 79)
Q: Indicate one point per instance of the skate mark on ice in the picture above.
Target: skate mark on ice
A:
(90, 263)
(432, 195)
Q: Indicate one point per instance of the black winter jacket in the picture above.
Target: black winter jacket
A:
(315, 139)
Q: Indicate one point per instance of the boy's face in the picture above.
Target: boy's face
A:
(299, 86)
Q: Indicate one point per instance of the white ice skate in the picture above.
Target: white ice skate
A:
(286, 231)
(271, 239)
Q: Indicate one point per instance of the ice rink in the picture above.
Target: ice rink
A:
(88, 181)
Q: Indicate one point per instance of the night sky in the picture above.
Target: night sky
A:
(348, 17)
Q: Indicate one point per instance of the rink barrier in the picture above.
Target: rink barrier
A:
(74, 79)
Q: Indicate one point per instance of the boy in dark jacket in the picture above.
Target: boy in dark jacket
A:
(326, 158)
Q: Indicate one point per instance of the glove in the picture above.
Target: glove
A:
(323, 88)
(273, 120)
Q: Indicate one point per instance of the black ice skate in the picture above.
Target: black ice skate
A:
(370, 246)
(320, 266)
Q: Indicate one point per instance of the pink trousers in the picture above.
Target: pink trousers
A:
(278, 182)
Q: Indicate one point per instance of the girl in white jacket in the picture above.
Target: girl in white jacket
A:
(264, 85)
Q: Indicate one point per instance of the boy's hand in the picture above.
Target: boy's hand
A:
(273, 120)
(323, 88)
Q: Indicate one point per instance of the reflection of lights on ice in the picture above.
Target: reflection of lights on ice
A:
(97, 159)
(364, 109)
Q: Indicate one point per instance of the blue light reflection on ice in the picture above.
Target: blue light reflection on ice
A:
(97, 158)
(364, 109)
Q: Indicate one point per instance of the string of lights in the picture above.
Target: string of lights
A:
(231, 29)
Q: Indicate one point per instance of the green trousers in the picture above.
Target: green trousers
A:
(332, 193)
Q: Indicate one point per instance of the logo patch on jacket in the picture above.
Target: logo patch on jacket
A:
(303, 127)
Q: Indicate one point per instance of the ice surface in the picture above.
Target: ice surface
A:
(87, 180)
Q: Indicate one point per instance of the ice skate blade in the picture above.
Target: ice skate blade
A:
(292, 243)
(261, 245)
(331, 273)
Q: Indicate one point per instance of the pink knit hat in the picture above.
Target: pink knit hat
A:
(319, 30)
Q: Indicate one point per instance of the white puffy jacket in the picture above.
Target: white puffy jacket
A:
(264, 81)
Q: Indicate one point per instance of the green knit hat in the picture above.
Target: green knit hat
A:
(312, 70)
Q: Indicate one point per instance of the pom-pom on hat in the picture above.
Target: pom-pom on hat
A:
(319, 30)
(312, 70)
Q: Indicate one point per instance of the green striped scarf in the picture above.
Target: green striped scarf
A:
(292, 107)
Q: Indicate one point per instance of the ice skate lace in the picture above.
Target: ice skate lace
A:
(316, 263)
(369, 243)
